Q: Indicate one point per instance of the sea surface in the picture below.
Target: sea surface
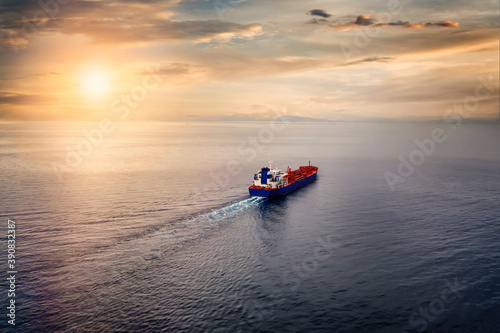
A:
(148, 227)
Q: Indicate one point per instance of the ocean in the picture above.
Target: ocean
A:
(148, 227)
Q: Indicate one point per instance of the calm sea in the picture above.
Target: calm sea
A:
(149, 227)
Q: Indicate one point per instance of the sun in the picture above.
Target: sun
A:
(95, 82)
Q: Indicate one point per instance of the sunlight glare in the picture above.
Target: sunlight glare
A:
(95, 82)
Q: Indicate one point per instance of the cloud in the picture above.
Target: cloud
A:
(7, 98)
(371, 59)
(108, 21)
(175, 69)
(273, 68)
(316, 21)
(368, 20)
(241, 66)
(364, 20)
(433, 85)
(406, 24)
(222, 65)
(142, 31)
(426, 41)
(447, 24)
(181, 71)
(34, 75)
(319, 12)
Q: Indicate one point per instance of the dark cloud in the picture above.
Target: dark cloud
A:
(406, 24)
(319, 12)
(368, 20)
(364, 20)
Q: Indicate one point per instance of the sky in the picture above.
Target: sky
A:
(169, 59)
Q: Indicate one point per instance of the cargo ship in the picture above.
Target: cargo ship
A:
(270, 182)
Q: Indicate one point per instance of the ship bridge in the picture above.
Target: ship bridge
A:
(270, 178)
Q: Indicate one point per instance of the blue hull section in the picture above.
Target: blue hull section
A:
(257, 192)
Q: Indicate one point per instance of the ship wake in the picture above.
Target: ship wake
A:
(196, 227)
(229, 210)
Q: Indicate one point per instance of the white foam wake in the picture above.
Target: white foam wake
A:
(231, 209)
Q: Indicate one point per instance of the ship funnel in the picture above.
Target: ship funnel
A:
(263, 176)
